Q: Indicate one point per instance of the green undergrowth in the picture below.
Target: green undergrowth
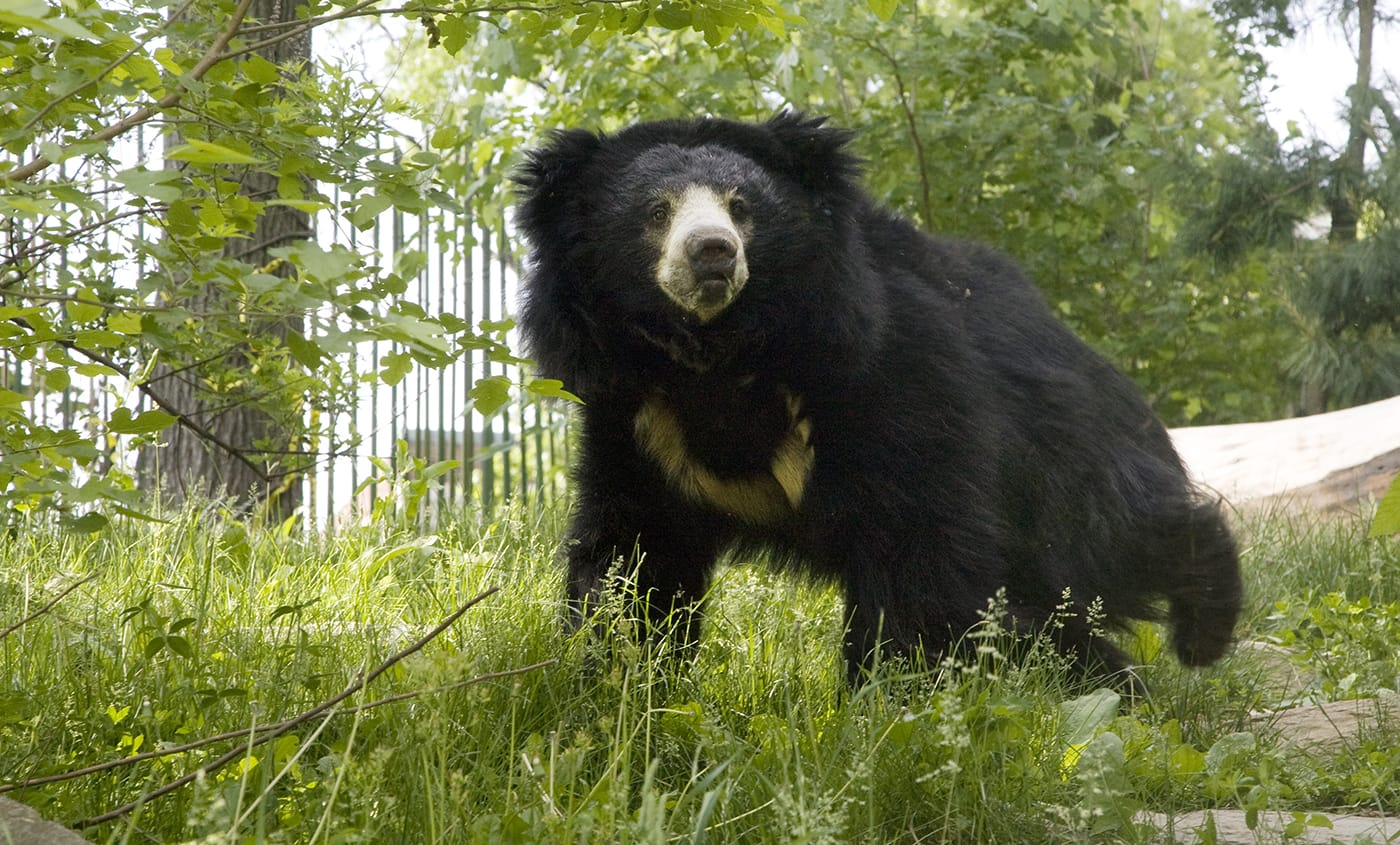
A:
(199, 626)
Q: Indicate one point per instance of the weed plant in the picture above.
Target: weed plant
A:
(200, 625)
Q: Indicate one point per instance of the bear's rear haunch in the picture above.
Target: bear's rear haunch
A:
(769, 362)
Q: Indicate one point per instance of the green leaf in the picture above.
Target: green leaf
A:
(308, 206)
(158, 185)
(180, 646)
(1387, 519)
(57, 379)
(671, 15)
(394, 366)
(196, 151)
(306, 351)
(122, 421)
(260, 70)
(454, 31)
(83, 311)
(1082, 718)
(88, 523)
(550, 388)
(490, 394)
(421, 160)
(318, 262)
(99, 339)
(883, 9)
(92, 369)
(166, 58)
(124, 322)
(33, 15)
(445, 137)
(1185, 761)
(1228, 751)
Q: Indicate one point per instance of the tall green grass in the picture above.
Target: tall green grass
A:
(201, 625)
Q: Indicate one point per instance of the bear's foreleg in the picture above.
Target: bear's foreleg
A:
(651, 577)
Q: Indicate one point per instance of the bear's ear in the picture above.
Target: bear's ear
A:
(815, 154)
(547, 179)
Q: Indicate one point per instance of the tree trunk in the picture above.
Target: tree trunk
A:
(1348, 171)
(242, 454)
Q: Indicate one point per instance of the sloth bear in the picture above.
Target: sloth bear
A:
(771, 363)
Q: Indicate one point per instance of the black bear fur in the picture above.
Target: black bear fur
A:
(945, 434)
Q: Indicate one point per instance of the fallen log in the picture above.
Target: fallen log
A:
(1330, 463)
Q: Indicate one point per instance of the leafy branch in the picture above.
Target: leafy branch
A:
(213, 56)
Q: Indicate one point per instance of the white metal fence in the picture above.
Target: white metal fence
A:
(469, 269)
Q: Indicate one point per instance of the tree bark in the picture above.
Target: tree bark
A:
(1348, 171)
(244, 458)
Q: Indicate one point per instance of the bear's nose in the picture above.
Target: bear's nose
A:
(712, 252)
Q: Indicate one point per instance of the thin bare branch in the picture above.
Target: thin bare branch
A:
(263, 729)
(258, 735)
(46, 608)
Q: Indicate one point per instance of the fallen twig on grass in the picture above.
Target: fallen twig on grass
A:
(257, 735)
(46, 608)
(260, 730)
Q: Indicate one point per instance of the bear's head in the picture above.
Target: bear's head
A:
(680, 232)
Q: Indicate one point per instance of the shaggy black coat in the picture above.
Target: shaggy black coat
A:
(955, 438)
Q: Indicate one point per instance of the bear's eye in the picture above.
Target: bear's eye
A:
(738, 208)
(660, 212)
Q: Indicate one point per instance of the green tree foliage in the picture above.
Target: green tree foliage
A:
(1062, 132)
(1343, 289)
(118, 261)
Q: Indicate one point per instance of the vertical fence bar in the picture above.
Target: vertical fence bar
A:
(488, 435)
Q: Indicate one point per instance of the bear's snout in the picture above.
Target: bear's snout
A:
(702, 266)
(713, 253)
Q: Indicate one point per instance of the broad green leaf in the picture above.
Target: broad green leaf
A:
(99, 339)
(260, 70)
(166, 58)
(196, 151)
(421, 160)
(550, 388)
(57, 379)
(490, 394)
(454, 31)
(671, 15)
(326, 264)
(124, 322)
(88, 523)
(34, 15)
(84, 311)
(883, 9)
(1084, 717)
(122, 421)
(1228, 750)
(394, 366)
(155, 184)
(445, 137)
(1186, 761)
(366, 210)
(305, 350)
(308, 206)
(92, 369)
